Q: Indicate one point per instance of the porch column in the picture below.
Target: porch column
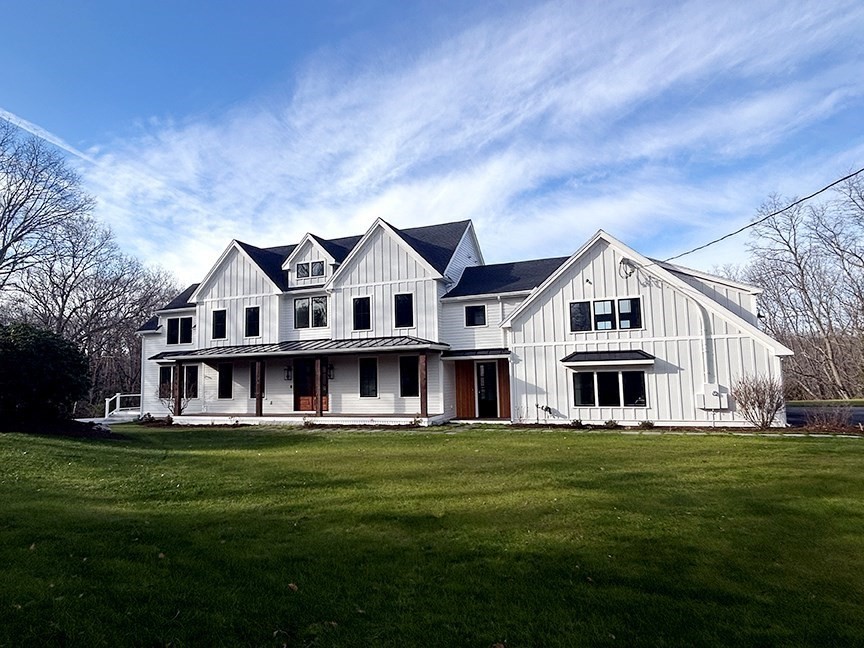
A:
(259, 396)
(424, 386)
(178, 375)
(319, 406)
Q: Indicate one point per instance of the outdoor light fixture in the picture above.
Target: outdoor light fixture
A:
(330, 371)
(287, 372)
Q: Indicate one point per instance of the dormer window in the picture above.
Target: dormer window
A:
(302, 270)
(317, 268)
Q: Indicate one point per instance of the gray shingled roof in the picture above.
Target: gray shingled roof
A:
(297, 347)
(505, 277)
(338, 248)
(605, 357)
(270, 261)
(435, 243)
(151, 324)
(181, 300)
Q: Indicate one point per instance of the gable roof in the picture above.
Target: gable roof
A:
(505, 277)
(435, 243)
(269, 260)
(150, 326)
(659, 272)
(338, 248)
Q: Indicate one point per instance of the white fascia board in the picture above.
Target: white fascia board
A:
(469, 231)
(661, 273)
(286, 265)
(212, 273)
(608, 363)
(707, 276)
(497, 356)
(487, 296)
(305, 292)
(306, 352)
(170, 311)
(380, 222)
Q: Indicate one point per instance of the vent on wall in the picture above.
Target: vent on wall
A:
(713, 397)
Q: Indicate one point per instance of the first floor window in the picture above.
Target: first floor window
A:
(362, 313)
(630, 313)
(368, 377)
(225, 388)
(253, 321)
(220, 325)
(253, 378)
(319, 312)
(609, 388)
(409, 376)
(166, 375)
(404, 310)
(475, 316)
(580, 316)
(190, 381)
(179, 330)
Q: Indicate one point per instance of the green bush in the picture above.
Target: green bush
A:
(41, 374)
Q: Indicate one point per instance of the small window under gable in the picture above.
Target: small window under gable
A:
(302, 270)
(317, 269)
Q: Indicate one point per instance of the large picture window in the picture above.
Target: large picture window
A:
(362, 313)
(403, 306)
(409, 376)
(609, 389)
(368, 377)
(179, 330)
(189, 385)
(253, 321)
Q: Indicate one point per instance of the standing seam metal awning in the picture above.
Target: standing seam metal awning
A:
(303, 347)
(593, 358)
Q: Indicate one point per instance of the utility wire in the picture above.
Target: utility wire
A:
(764, 218)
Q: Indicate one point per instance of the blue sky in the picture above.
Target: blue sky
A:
(666, 124)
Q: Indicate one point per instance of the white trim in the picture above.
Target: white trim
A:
(234, 244)
(475, 326)
(609, 363)
(698, 274)
(311, 325)
(246, 335)
(497, 356)
(371, 311)
(628, 340)
(372, 284)
(396, 327)
(168, 312)
(310, 238)
(212, 327)
(477, 389)
(490, 296)
(360, 381)
(381, 350)
(468, 230)
(571, 400)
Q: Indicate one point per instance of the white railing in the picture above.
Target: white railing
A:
(122, 403)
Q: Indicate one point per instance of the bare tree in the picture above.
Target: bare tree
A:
(85, 289)
(758, 399)
(38, 193)
(809, 260)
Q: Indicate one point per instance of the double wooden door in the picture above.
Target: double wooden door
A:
(304, 385)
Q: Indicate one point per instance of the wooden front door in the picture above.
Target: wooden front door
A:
(487, 389)
(304, 385)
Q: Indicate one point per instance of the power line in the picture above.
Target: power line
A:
(764, 218)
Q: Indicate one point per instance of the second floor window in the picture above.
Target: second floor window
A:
(220, 325)
(310, 312)
(403, 306)
(362, 313)
(606, 317)
(475, 316)
(179, 330)
(253, 321)
(317, 268)
(302, 270)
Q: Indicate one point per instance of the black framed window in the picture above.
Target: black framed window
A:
(608, 394)
(475, 316)
(404, 310)
(630, 313)
(319, 312)
(409, 376)
(190, 381)
(368, 377)
(166, 375)
(185, 330)
(173, 330)
(633, 388)
(301, 313)
(583, 388)
(225, 387)
(179, 330)
(604, 315)
(317, 269)
(252, 379)
(362, 313)
(253, 321)
(220, 325)
(302, 270)
(580, 316)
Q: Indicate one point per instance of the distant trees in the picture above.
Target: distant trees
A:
(61, 271)
(810, 262)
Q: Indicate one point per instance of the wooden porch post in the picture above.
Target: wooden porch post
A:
(424, 385)
(259, 395)
(319, 406)
(178, 374)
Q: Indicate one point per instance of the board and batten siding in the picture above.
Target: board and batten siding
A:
(674, 330)
(741, 302)
(307, 253)
(466, 254)
(381, 270)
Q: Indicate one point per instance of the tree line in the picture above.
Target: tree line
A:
(61, 270)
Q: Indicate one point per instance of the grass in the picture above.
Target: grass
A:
(272, 537)
(855, 402)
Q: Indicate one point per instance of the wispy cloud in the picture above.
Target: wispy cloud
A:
(542, 125)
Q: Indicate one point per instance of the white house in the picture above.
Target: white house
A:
(410, 325)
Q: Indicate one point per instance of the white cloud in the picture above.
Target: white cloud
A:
(542, 125)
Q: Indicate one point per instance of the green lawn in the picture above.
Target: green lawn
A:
(272, 537)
